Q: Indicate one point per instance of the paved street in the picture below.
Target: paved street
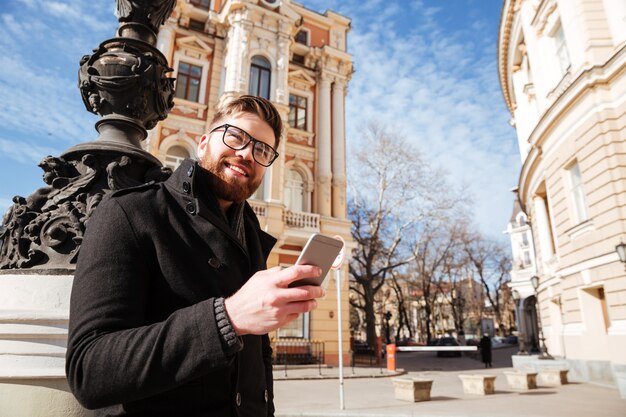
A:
(367, 393)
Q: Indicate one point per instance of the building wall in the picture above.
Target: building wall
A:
(571, 126)
(222, 41)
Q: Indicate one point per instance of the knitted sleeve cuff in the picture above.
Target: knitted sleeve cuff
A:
(230, 341)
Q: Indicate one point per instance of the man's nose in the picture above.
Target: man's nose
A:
(246, 152)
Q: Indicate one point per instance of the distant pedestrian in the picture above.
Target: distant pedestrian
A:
(485, 350)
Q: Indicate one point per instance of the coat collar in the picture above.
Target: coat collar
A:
(189, 186)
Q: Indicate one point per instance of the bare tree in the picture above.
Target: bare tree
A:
(390, 192)
(491, 265)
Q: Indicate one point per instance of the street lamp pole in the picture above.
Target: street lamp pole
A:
(518, 316)
(543, 349)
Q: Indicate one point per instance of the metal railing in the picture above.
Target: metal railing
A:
(297, 352)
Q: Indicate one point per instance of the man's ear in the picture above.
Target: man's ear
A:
(202, 146)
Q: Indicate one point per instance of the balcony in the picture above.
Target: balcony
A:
(309, 222)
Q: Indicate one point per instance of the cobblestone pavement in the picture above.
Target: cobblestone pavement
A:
(369, 393)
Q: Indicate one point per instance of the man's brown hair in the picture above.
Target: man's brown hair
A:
(255, 105)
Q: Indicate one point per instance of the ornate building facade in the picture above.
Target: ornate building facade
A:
(562, 67)
(297, 58)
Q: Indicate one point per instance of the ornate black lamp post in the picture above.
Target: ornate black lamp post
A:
(126, 82)
(543, 350)
(522, 347)
(621, 252)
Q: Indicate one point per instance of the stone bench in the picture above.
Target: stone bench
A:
(412, 389)
(553, 376)
(478, 384)
(521, 380)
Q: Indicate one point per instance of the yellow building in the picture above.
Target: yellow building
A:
(297, 58)
(562, 67)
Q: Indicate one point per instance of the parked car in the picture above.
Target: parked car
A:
(448, 341)
(511, 340)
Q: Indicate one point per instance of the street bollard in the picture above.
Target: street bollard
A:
(391, 357)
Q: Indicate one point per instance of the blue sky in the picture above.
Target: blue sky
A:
(427, 68)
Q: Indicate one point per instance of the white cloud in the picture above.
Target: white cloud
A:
(25, 152)
(440, 88)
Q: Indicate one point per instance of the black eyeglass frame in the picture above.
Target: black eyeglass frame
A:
(251, 139)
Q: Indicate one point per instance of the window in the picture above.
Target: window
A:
(298, 59)
(577, 193)
(202, 4)
(196, 25)
(526, 258)
(297, 111)
(188, 81)
(260, 73)
(560, 47)
(175, 155)
(296, 328)
(524, 240)
(302, 37)
(294, 191)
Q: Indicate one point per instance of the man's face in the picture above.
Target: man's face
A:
(236, 175)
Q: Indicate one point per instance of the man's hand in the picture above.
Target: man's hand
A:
(265, 302)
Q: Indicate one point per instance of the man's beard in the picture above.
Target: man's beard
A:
(225, 187)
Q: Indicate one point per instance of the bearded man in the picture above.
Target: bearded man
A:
(172, 301)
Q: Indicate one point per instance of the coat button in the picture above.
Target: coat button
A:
(190, 171)
(191, 208)
(186, 187)
(238, 399)
(266, 396)
(215, 263)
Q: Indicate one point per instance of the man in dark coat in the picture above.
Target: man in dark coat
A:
(172, 301)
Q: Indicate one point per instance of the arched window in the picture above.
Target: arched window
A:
(294, 191)
(260, 75)
(175, 155)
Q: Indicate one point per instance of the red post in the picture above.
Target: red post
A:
(391, 357)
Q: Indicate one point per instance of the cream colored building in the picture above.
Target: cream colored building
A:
(562, 67)
(297, 58)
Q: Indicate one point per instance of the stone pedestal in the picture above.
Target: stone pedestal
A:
(412, 389)
(552, 377)
(478, 384)
(34, 312)
(521, 380)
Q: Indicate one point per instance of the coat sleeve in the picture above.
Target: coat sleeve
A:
(113, 355)
(267, 361)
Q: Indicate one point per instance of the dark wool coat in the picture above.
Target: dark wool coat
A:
(143, 340)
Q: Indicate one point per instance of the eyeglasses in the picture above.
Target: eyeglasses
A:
(238, 139)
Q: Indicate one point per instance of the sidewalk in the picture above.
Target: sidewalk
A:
(367, 393)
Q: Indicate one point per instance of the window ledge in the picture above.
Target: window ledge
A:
(187, 106)
(580, 229)
(301, 135)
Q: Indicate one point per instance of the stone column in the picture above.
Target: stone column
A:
(236, 77)
(543, 228)
(282, 63)
(339, 150)
(324, 173)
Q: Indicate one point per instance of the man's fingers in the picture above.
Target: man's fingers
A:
(296, 294)
(296, 272)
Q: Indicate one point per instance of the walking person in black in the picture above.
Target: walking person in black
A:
(485, 350)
